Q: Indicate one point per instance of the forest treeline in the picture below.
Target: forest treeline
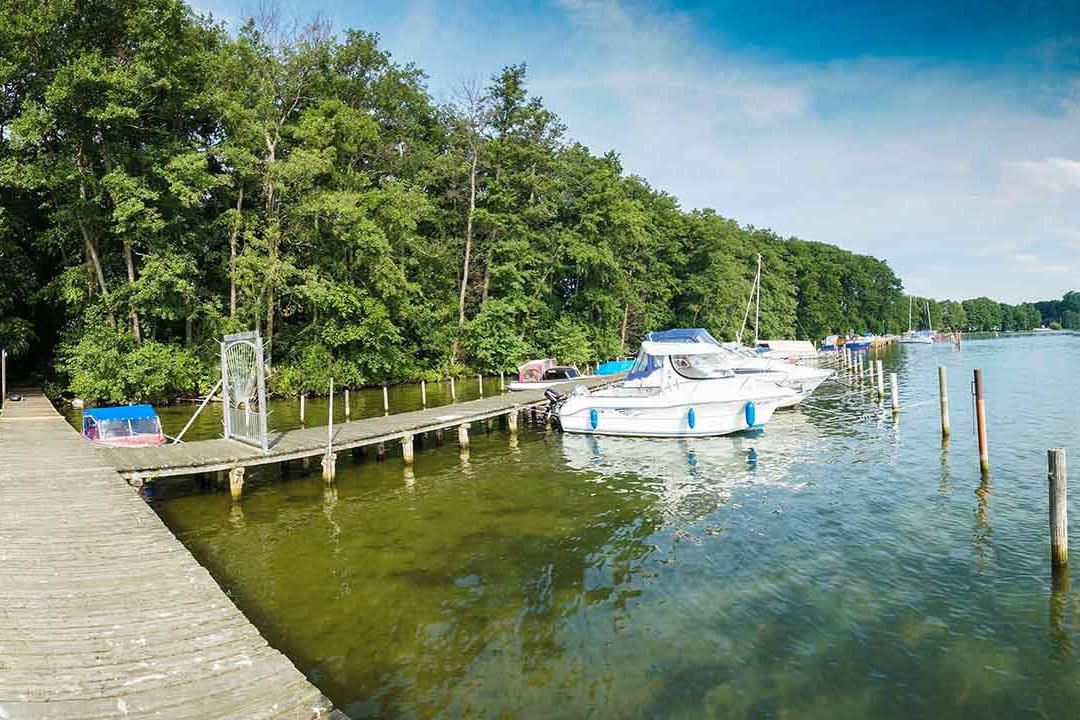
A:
(164, 181)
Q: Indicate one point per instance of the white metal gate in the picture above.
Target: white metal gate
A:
(243, 389)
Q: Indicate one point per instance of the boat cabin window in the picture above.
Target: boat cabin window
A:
(644, 366)
(701, 367)
(106, 429)
(562, 373)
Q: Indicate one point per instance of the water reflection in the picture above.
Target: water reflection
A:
(820, 569)
(1060, 594)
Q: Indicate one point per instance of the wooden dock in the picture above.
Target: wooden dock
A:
(142, 464)
(103, 613)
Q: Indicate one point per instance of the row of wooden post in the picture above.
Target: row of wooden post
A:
(386, 397)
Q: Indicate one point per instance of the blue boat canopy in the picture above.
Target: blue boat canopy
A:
(699, 335)
(121, 412)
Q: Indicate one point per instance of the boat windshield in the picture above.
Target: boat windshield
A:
(701, 367)
(107, 429)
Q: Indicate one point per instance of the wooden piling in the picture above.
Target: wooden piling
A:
(329, 461)
(302, 398)
(480, 383)
(1058, 478)
(3, 378)
(980, 419)
(423, 393)
(380, 452)
(329, 467)
(453, 393)
(895, 386)
(236, 483)
(385, 401)
(880, 380)
(502, 382)
(439, 437)
(463, 436)
(943, 392)
(407, 449)
(348, 408)
(512, 421)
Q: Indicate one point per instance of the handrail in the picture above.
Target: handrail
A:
(204, 402)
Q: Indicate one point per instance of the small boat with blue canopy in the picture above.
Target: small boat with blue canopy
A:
(123, 426)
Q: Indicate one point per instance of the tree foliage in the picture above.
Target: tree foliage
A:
(163, 181)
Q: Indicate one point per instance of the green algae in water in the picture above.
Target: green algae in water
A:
(840, 564)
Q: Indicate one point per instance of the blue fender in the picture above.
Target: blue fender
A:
(690, 418)
(593, 418)
(750, 412)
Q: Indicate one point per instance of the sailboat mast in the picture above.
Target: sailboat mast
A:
(909, 301)
(757, 312)
(929, 322)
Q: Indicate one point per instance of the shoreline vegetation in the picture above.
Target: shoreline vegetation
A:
(164, 181)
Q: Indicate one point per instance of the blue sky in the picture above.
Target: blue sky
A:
(941, 136)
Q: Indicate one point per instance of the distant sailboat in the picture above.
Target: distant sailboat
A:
(917, 337)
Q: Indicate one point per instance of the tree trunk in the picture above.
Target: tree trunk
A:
(95, 264)
(189, 331)
(130, 261)
(468, 245)
(272, 245)
(232, 254)
(622, 335)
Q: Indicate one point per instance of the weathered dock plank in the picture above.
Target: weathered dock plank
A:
(103, 613)
(213, 455)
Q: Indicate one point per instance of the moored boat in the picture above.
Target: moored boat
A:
(673, 390)
(746, 361)
(123, 426)
(542, 374)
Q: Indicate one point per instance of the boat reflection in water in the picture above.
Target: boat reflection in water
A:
(691, 477)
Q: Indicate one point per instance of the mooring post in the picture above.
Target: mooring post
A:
(439, 437)
(980, 419)
(329, 467)
(943, 391)
(880, 381)
(236, 482)
(329, 461)
(453, 393)
(463, 436)
(895, 392)
(1058, 477)
(423, 393)
(348, 409)
(502, 381)
(407, 449)
(302, 397)
(385, 401)
(380, 452)
(512, 420)
(480, 383)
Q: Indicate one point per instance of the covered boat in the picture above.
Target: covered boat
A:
(614, 367)
(123, 426)
(542, 374)
(675, 389)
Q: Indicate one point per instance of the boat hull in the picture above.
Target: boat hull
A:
(622, 417)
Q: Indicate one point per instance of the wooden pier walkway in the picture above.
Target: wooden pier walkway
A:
(103, 613)
(142, 464)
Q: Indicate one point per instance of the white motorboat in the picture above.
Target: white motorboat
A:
(745, 361)
(673, 390)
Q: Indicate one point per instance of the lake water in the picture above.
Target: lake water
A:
(837, 565)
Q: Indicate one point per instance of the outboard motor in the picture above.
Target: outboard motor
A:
(555, 400)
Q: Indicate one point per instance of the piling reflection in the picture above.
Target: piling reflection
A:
(983, 534)
(1060, 596)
